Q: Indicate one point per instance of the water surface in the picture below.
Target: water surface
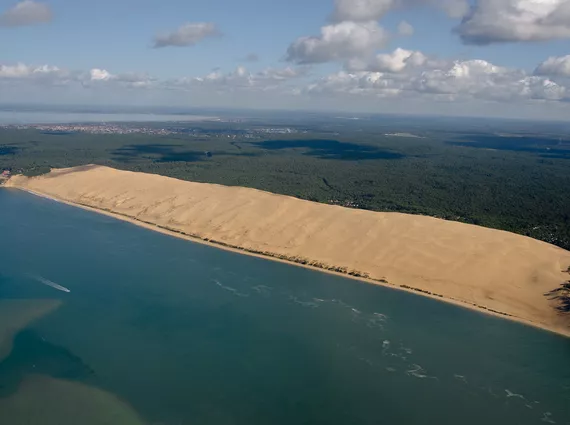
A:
(180, 333)
(33, 117)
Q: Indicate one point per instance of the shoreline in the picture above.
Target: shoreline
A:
(299, 262)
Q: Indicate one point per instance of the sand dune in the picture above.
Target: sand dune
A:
(495, 270)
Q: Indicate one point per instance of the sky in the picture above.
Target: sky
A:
(508, 58)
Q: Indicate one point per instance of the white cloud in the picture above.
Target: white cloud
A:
(407, 78)
(482, 80)
(21, 70)
(282, 74)
(239, 79)
(338, 42)
(100, 75)
(48, 75)
(472, 77)
(542, 88)
(371, 10)
(26, 12)
(397, 61)
(14, 71)
(451, 81)
(494, 21)
(405, 29)
(188, 34)
(555, 66)
(375, 84)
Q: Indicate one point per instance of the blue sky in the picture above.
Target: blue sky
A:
(465, 56)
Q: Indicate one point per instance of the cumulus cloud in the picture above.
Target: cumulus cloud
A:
(338, 42)
(21, 70)
(375, 84)
(398, 61)
(467, 77)
(240, 78)
(555, 66)
(495, 21)
(405, 29)
(100, 75)
(26, 12)
(483, 80)
(188, 34)
(369, 10)
(401, 75)
(48, 75)
(450, 81)
(282, 74)
(542, 89)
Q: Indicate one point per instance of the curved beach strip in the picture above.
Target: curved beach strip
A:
(496, 271)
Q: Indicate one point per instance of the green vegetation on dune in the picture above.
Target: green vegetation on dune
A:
(519, 184)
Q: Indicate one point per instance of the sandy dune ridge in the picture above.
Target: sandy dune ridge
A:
(493, 270)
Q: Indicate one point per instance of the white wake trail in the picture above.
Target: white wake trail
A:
(50, 283)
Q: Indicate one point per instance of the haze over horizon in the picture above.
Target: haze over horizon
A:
(505, 58)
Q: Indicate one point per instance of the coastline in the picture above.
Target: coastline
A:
(297, 261)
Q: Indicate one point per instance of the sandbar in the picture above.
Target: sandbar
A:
(16, 314)
(41, 400)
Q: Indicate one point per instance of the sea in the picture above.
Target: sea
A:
(152, 329)
(42, 117)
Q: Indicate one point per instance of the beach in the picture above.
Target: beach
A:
(494, 271)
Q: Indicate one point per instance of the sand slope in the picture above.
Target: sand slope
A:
(500, 271)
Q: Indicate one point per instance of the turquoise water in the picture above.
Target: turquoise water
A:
(189, 334)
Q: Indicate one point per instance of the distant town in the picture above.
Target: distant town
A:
(129, 128)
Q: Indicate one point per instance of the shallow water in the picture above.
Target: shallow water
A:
(189, 334)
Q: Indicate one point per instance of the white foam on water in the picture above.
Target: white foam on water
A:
(417, 371)
(460, 377)
(341, 303)
(391, 369)
(405, 349)
(309, 304)
(262, 289)
(230, 289)
(50, 283)
(511, 394)
(547, 417)
(377, 320)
